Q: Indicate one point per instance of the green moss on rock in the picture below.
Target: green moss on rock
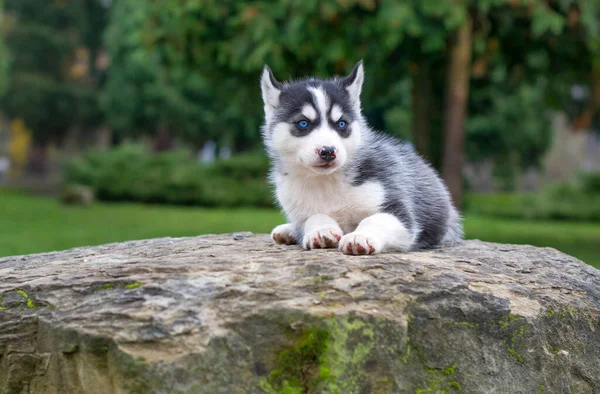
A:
(328, 357)
(300, 365)
(508, 320)
(104, 286)
(113, 286)
(436, 380)
(515, 325)
(462, 323)
(561, 313)
(552, 349)
(30, 303)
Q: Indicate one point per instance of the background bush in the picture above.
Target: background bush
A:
(578, 200)
(132, 173)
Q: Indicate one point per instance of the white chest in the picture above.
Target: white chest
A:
(329, 195)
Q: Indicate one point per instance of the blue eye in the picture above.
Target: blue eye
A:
(341, 125)
(303, 124)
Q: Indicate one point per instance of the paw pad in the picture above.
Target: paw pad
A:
(322, 238)
(358, 244)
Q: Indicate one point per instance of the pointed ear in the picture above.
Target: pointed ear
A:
(271, 89)
(353, 83)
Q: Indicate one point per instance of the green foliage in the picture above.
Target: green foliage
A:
(194, 66)
(50, 107)
(578, 201)
(563, 202)
(590, 182)
(199, 76)
(510, 125)
(43, 39)
(4, 55)
(507, 205)
(528, 57)
(131, 173)
(155, 79)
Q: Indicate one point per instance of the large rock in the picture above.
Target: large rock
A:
(223, 314)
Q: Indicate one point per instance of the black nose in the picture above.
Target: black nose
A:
(327, 153)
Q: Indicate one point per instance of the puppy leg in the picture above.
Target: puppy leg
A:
(284, 234)
(321, 231)
(378, 233)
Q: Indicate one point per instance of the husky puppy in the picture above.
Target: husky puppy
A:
(342, 184)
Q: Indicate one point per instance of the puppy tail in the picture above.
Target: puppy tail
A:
(455, 233)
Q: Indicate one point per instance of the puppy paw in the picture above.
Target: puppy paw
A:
(284, 234)
(360, 243)
(326, 237)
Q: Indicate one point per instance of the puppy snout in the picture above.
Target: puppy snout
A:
(327, 153)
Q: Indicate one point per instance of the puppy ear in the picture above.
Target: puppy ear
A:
(353, 83)
(271, 89)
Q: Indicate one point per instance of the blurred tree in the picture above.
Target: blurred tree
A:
(526, 58)
(93, 21)
(50, 88)
(4, 55)
(192, 67)
(189, 64)
(151, 87)
(164, 78)
(457, 96)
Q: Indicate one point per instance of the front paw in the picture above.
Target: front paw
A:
(284, 234)
(360, 243)
(326, 237)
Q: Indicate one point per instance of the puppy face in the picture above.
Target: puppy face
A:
(313, 125)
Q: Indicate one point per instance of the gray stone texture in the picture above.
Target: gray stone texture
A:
(238, 314)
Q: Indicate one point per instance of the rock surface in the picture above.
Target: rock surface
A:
(237, 314)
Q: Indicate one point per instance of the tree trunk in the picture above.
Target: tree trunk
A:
(455, 111)
(421, 109)
(162, 138)
(104, 138)
(584, 120)
(39, 159)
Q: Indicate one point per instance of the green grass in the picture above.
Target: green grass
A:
(579, 239)
(30, 224)
(503, 205)
(555, 202)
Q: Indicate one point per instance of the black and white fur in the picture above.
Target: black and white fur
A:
(376, 194)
